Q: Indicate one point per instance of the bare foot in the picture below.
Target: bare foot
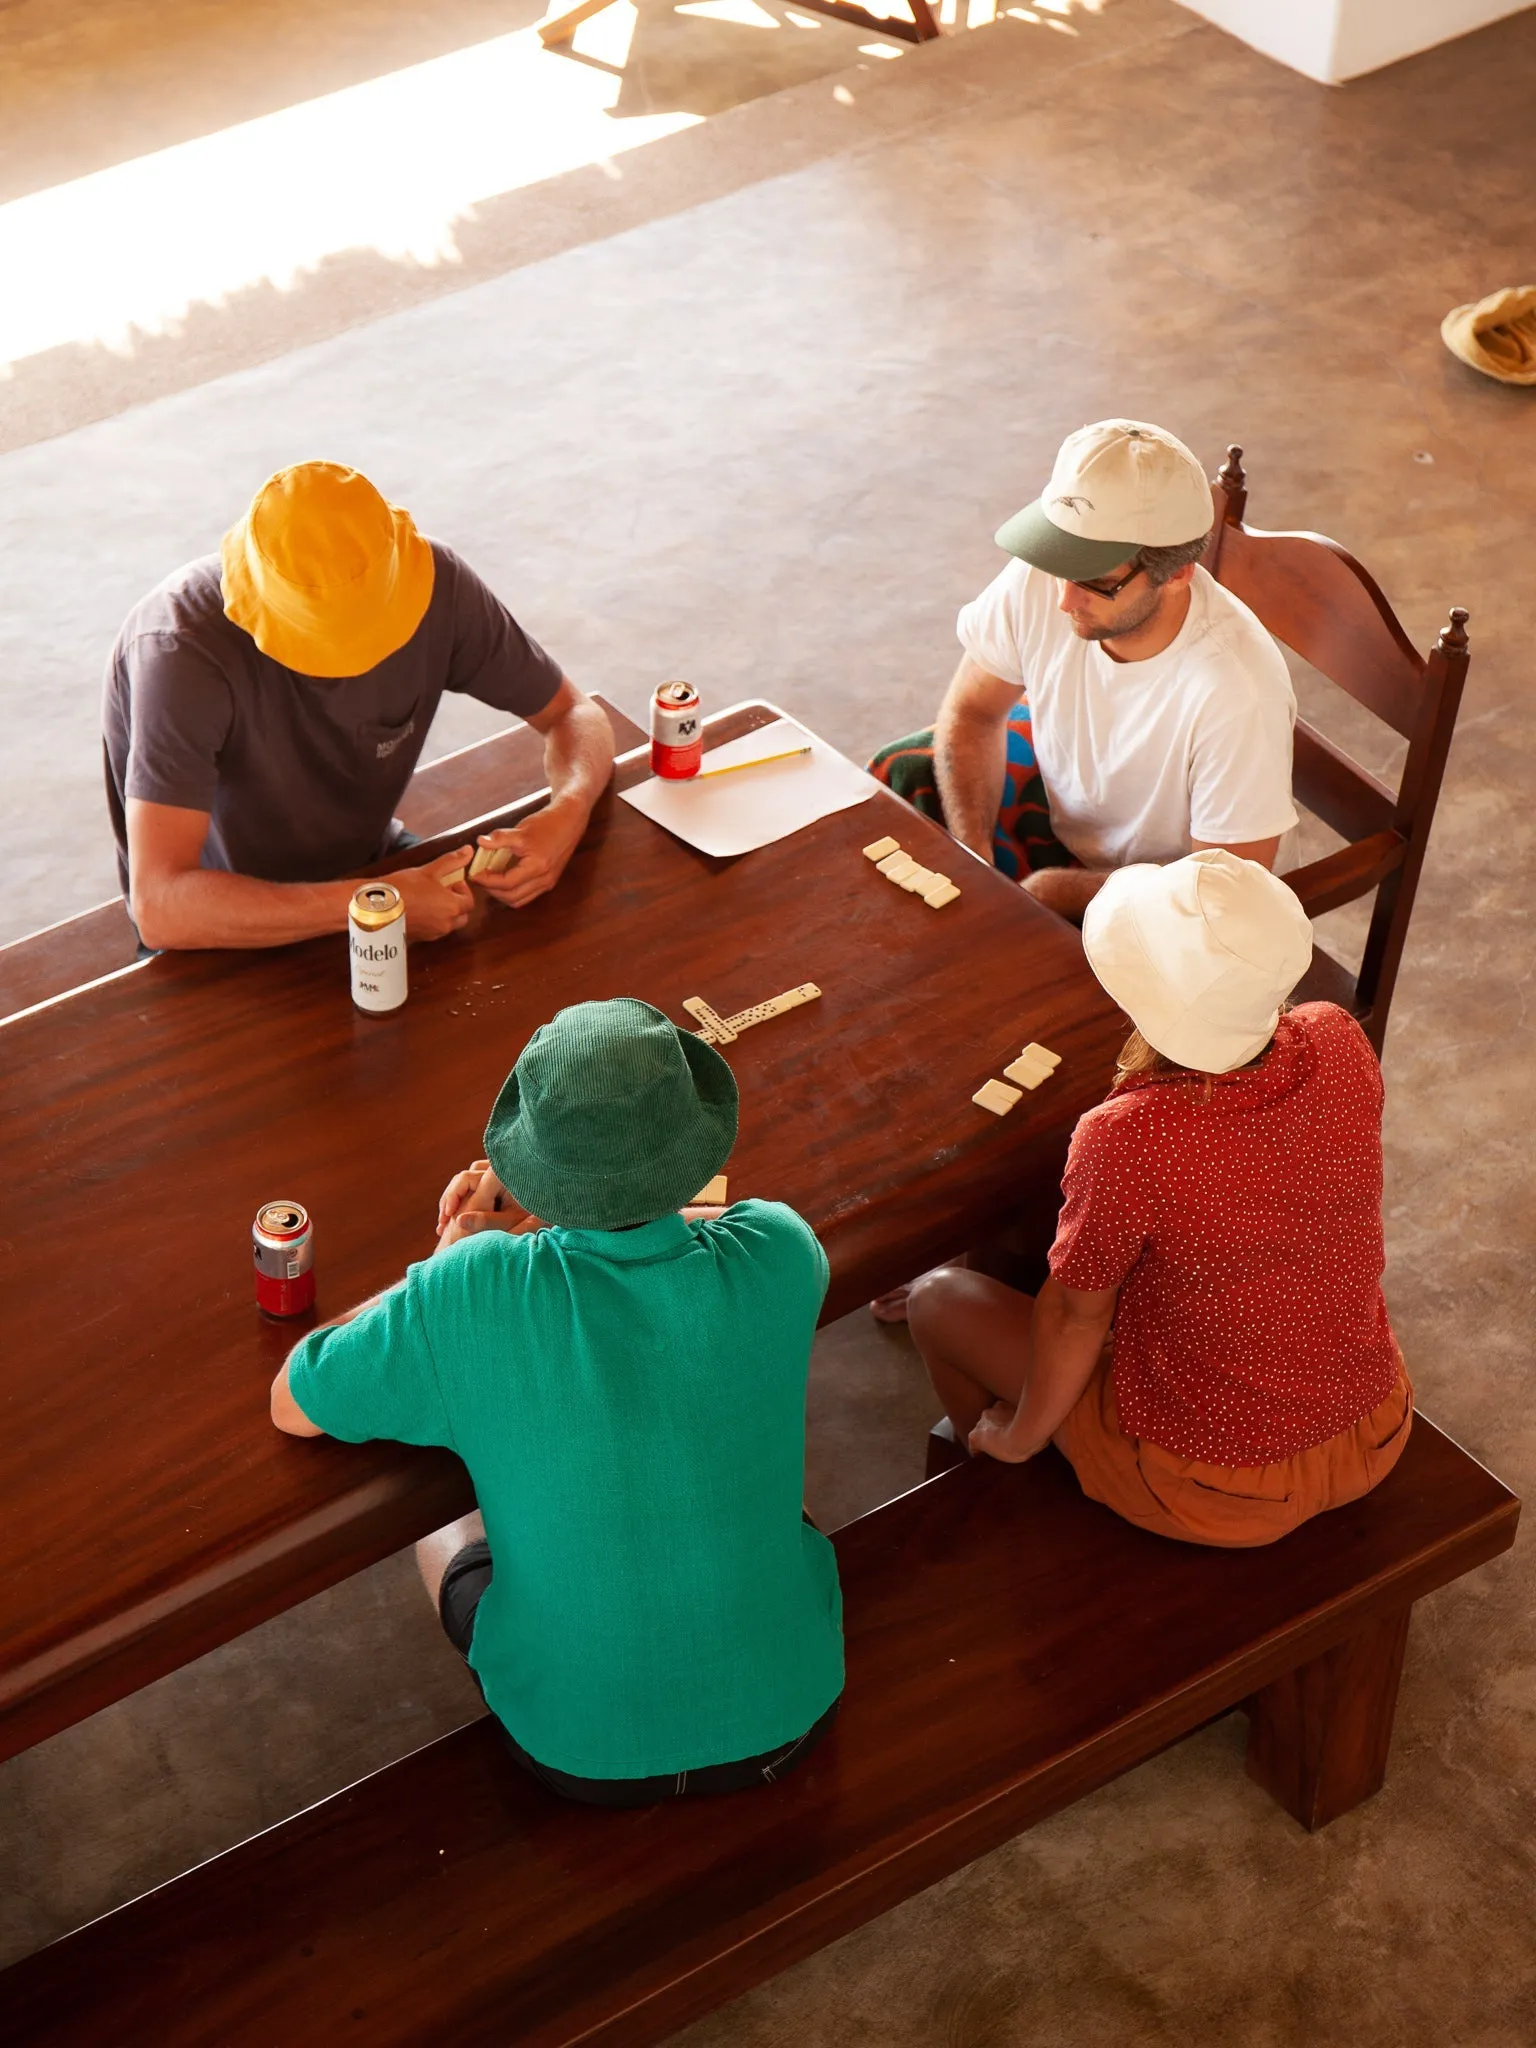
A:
(892, 1307)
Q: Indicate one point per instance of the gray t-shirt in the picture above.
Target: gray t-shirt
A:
(301, 774)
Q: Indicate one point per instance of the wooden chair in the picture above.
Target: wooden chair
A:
(1318, 601)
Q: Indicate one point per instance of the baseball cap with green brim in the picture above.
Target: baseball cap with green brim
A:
(1034, 539)
(1118, 486)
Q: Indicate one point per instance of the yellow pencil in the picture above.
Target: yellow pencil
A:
(761, 762)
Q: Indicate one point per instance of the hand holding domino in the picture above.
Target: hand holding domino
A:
(490, 860)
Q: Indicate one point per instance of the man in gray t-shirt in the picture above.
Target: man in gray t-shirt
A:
(264, 710)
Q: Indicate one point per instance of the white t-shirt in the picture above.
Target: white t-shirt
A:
(1141, 757)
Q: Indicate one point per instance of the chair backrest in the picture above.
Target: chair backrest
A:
(1317, 600)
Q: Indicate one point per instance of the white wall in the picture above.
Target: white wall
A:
(1376, 32)
(1332, 40)
(1298, 32)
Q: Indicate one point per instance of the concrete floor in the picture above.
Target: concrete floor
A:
(750, 415)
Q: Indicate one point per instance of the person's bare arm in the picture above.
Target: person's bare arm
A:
(578, 759)
(970, 753)
(578, 745)
(287, 1415)
(1261, 850)
(1069, 1331)
(177, 904)
(1069, 891)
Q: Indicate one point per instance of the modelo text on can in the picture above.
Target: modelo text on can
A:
(677, 732)
(376, 941)
(283, 1245)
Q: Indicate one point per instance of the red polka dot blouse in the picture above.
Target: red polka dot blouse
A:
(1245, 1236)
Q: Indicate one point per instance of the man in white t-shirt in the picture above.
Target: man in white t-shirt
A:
(1161, 709)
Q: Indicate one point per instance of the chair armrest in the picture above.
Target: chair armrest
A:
(1351, 872)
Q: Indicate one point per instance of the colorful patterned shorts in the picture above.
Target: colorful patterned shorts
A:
(1022, 839)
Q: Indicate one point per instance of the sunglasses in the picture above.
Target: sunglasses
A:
(1102, 589)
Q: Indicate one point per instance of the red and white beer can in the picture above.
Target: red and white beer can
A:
(283, 1241)
(677, 732)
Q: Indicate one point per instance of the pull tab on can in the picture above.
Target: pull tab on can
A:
(376, 941)
(283, 1248)
(677, 732)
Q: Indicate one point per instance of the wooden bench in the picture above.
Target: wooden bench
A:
(1011, 1646)
(441, 795)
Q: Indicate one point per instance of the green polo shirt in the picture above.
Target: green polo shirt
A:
(631, 1408)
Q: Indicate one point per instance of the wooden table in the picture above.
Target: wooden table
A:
(148, 1510)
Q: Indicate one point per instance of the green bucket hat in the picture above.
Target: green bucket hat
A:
(611, 1116)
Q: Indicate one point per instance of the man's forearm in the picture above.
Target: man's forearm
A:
(1067, 891)
(578, 755)
(204, 907)
(1066, 1351)
(970, 763)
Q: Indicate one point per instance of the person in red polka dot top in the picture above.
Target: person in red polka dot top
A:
(1211, 1351)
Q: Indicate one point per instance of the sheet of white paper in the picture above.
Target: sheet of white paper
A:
(730, 814)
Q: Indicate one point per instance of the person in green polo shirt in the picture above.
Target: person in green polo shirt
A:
(648, 1613)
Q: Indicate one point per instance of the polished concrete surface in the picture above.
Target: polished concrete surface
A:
(750, 414)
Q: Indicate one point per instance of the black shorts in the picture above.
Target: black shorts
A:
(465, 1580)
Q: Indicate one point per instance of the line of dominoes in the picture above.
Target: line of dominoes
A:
(935, 889)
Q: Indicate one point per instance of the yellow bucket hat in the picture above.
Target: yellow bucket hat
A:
(325, 576)
(1497, 335)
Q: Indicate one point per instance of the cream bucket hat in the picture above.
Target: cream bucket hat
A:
(1200, 954)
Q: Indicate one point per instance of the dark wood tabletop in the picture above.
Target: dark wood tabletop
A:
(148, 1510)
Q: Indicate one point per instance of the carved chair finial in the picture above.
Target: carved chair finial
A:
(1453, 635)
(1232, 482)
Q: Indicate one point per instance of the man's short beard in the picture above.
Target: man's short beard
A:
(1129, 624)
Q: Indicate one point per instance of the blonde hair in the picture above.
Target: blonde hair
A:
(1138, 1058)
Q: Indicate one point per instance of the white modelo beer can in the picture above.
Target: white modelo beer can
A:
(677, 732)
(376, 940)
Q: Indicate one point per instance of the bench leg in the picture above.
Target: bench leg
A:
(1318, 1738)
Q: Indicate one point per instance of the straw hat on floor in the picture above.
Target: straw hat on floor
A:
(1497, 335)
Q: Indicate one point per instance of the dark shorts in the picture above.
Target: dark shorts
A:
(465, 1580)
(1022, 839)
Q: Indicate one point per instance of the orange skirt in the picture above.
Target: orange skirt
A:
(1233, 1506)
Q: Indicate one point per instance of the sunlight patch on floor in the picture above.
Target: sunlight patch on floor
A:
(391, 166)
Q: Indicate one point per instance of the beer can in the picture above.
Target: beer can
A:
(376, 940)
(283, 1244)
(677, 731)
